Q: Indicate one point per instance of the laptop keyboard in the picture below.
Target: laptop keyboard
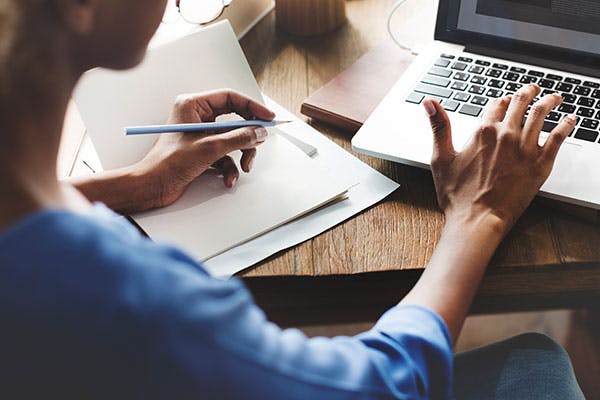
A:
(465, 85)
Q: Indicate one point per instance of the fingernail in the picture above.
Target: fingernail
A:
(429, 108)
(233, 182)
(250, 164)
(572, 118)
(261, 134)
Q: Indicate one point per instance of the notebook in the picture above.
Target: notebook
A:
(209, 219)
(347, 100)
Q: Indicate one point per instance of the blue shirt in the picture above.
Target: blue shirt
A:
(89, 308)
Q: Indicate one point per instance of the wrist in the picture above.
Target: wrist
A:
(478, 221)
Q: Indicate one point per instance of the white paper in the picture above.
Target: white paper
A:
(220, 63)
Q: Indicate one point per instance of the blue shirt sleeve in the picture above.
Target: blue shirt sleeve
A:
(222, 340)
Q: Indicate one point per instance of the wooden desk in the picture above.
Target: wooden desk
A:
(360, 268)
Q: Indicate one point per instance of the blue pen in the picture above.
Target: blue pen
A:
(200, 127)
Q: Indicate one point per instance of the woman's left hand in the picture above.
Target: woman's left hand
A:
(177, 159)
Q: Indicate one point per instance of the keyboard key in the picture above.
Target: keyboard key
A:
(593, 85)
(513, 87)
(462, 86)
(433, 90)
(480, 101)
(554, 116)
(518, 70)
(536, 73)
(596, 94)
(450, 105)
(586, 102)
(442, 63)
(476, 89)
(528, 79)
(590, 123)
(564, 87)
(568, 98)
(494, 73)
(448, 56)
(598, 115)
(435, 80)
(465, 59)
(598, 104)
(479, 80)
(546, 92)
(415, 98)
(495, 83)
(586, 134)
(476, 70)
(462, 96)
(471, 110)
(585, 112)
(444, 73)
(461, 76)
(511, 76)
(549, 126)
(460, 66)
(567, 108)
(546, 83)
(483, 63)
(573, 81)
(582, 91)
(500, 66)
(554, 77)
(494, 93)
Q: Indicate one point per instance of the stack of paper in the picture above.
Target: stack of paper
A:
(230, 229)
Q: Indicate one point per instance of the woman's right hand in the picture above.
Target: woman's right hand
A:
(498, 173)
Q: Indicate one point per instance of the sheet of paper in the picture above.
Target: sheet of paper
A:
(372, 187)
(210, 219)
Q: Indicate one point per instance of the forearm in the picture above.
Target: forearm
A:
(456, 268)
(125, 190)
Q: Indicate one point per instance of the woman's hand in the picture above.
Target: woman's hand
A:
(177, 159)
(483, 190)
(502, 168)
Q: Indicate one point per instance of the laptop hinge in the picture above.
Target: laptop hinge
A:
(533, 60)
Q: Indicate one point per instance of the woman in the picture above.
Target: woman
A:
(90, 309)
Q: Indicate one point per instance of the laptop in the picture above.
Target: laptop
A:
(485, 49)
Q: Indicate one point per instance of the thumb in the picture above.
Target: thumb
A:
(443, 149)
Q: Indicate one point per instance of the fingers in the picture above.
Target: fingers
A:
(443, 148)
(537, 115)
(221, 144)
(496, 111)
(228, 101)
(227, 167)
(557, 137)
(518, 106)
(247, 160)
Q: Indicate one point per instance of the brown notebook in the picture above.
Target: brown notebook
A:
(351, 97)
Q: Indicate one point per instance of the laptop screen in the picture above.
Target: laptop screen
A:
(569, 26)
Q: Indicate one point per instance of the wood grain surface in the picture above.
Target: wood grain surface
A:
(357, 269)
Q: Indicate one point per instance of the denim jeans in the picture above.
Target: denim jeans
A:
(529, 366)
